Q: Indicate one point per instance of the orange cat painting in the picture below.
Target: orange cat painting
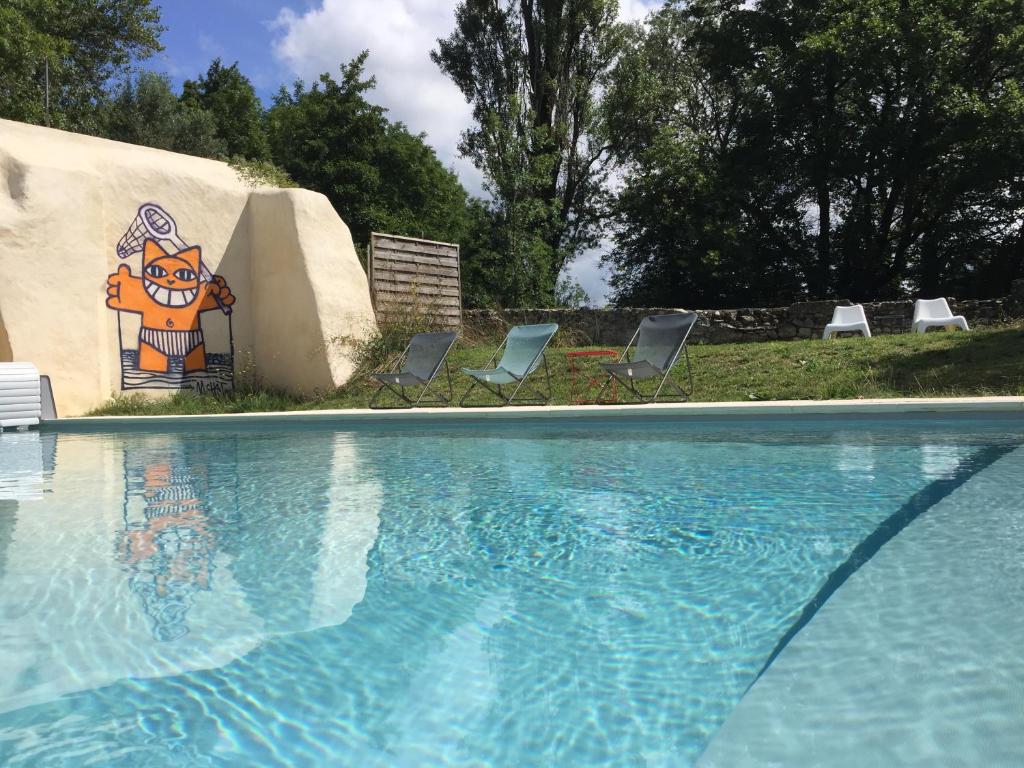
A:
(169, 296)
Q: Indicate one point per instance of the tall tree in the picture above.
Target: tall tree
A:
(878, 145)
(145, 110)
(708, 213)
(905, 116)
(531, 70)
(378, 175)
(78, 46)
(229, 97)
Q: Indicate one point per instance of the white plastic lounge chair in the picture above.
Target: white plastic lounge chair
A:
(524, 351)
(418, 366)
(849, 319)
(658, 342)
(935, 313)
(20, 395)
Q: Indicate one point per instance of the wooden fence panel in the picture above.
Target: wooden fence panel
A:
(410, 276)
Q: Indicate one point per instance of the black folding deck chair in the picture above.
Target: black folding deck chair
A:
(658, 340)
(418, 366)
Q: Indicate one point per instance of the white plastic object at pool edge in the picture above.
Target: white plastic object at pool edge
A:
(848, 319)
(935, 313)
(20, 396)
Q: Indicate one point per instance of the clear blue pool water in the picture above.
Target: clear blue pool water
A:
(600, 594)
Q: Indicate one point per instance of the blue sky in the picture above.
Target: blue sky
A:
(276, 42)
(198, 31)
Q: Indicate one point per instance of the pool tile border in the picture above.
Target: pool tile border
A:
(696, 411)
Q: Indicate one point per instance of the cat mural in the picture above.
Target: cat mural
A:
(173, 289)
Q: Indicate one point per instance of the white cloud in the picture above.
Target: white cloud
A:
(399, 35)
(636, 10)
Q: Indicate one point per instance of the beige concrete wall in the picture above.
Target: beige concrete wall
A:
(6, 355)
(295, 238)
(66, 200)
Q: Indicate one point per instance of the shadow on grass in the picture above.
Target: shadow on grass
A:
(990, 362)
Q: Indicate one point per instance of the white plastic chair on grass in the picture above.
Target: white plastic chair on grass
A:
(935, 313)
(848, 319)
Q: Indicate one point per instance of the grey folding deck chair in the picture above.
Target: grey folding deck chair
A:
(418, 366)
(658, 340)
(524, 352)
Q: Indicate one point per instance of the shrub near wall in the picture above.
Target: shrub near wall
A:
(805, 320)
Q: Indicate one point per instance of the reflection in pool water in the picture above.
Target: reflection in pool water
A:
(167, 546)
(502, 596)
(139, 562)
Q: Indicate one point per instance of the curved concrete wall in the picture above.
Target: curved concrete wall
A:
(286, 260)
(6, 355)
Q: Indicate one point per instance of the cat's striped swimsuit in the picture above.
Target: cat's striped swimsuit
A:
(171, 343)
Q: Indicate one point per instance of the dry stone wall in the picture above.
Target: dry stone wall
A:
(804, 320)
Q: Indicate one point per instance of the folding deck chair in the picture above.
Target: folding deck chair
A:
(524, 352)
(418, 366)
(658, 342)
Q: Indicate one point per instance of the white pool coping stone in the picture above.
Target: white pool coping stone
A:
(961, 405)
(917, 660)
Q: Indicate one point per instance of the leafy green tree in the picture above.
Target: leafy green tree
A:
(378, 176)
(708, 213)
(531, 70)
(905, 119)
(145, 110)
(570, 294)
(502, 266)
(422, 197)
(860, 148)
(229, 97)
(83, 45)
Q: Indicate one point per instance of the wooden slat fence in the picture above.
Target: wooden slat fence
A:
(415, 277)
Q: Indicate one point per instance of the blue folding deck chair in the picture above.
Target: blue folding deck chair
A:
(418, 366)
(658, 340)
(524, 352)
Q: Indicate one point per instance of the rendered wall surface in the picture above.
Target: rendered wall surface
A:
(214, 278)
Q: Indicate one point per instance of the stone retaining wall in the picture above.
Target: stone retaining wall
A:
(805, 320)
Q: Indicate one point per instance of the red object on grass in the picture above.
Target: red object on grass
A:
(593, 383)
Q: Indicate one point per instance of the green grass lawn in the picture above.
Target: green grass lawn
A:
(942, 364)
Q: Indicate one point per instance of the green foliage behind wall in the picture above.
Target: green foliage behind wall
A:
(727, 153)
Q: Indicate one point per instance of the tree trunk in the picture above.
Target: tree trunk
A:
(820, 288)
(821, 285)
(928, 285)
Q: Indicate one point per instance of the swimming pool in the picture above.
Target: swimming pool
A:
(598, 593)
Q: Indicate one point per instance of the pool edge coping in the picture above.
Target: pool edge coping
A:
(1001, 404)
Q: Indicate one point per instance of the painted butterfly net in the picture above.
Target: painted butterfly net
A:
(150, 222)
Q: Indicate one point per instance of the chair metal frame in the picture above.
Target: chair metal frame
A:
(439, 399)
(630, 383)
(539, 399)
